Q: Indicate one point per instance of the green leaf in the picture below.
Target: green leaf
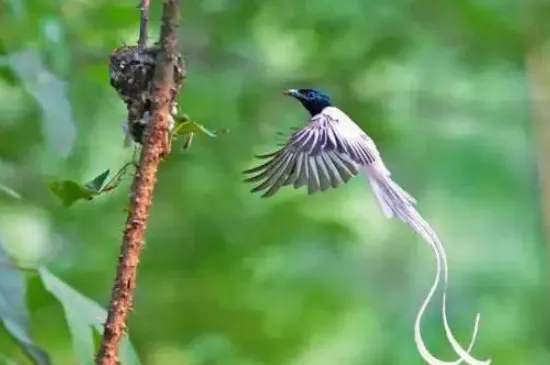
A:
(83, 316)
(186, 126)
(9, 191)
(97, 183)
(13, 309)
(6, 361)
(97, 336)
(188, 139)
(69, 191)
(51, 95)
(181, 119)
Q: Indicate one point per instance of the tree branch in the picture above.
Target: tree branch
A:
(143, 24)
(156, 144)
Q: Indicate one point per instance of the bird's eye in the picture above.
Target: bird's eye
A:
(310, 95)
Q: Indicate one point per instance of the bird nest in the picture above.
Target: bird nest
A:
(132, 71)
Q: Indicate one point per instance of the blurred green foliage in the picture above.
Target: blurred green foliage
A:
(228, 278)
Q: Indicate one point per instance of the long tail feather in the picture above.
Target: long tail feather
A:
(394, 201)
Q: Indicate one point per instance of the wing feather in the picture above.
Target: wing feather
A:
(335, 178)
(324, 175)
(314, 183)
(273, 175)
(303, 175)
(327, 151)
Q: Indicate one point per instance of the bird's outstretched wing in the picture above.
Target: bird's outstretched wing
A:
(328, 150)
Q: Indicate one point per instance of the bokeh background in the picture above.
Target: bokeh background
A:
(453, 93)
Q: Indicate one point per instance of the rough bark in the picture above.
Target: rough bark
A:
(156, 144)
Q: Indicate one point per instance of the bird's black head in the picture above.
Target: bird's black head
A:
(313, 100)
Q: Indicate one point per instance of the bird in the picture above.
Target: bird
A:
(325, 153)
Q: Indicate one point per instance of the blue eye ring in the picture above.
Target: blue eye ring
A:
(310, 95)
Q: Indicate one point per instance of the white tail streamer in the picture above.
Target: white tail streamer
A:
(394, 201)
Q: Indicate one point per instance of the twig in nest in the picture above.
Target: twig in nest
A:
(143, 24)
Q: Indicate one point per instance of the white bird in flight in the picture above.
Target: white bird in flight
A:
(329, 150)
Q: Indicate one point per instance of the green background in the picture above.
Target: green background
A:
(229, 278)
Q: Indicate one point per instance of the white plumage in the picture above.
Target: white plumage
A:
(329, 150)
